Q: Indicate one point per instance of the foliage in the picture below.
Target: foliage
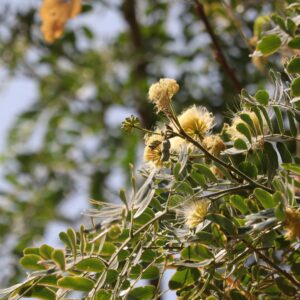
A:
(68, 142)
(220, 209)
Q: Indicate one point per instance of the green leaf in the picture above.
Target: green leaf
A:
(285, 153)
(142, 293)
(238, 202)
(240, 144)
(108, 249)
(46, 251)
(279, 119)
(111, 276)
(205, 171)
(295, 87)
(175, 201)
(279, 209)
(82, 240)
(293, 128)
(294, 43)
(259, 25)
(123, 196)
(260, 119)
(37, 292)
(91, 264)
(59, 257)
(183, 277)
(226, 224)
(291, 26)
(295, 168)
(267, 118)
(31, 250)
(72, 238)
(264, 198)
(114, 232)
(50, 280)
(196, 252)
(236, 295)
(151, 273)
(148, 255)
(262, 96)
(103, 295)
(76, 283)
(247, 119)
(184, 187)
(270, 160)
(249, 169)
(65, 239)
(285, 286)
(294, 65)
(269, 44)
(144, 218)
(30, 261)
(243, 128)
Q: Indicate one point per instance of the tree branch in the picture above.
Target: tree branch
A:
(272, 264)
(219, 53)
(128, 9)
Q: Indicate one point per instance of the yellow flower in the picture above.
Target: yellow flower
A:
(153, 149)
(178, 144)
(214, 144)
(55, 14)
(195, 212)
(196, 121)
(161, 93)
(292, 223)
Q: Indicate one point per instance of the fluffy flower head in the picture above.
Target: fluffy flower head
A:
(196, 121)
(214, 144)
(195, 212)
(153, 149)
(161, 93)
(55, 14)
(292, 223)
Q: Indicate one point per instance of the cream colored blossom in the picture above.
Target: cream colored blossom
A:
(195, 212)
(214, 144)
(55, 14)
(153, 149)
(178, 144)
(196, 122)
(162, 92)
(292, 223)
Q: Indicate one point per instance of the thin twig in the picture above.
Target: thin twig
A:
(184, 135)
(272, 264)
(219, 53)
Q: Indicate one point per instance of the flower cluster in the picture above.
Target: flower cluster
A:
(153, 148)
(195, 212)
(55, 14)
(162, 92)
(196, 121)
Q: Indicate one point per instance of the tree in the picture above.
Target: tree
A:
(221, 209)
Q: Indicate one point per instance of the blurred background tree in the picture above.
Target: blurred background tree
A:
(67, 146)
